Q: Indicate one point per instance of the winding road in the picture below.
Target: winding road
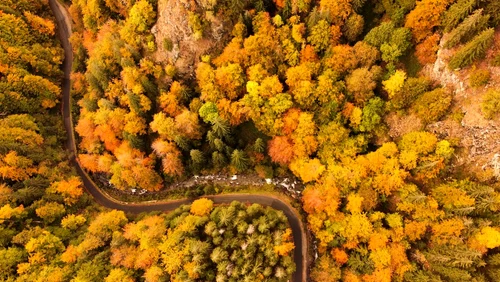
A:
(299, 235)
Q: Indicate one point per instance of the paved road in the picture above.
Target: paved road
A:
(299, 235)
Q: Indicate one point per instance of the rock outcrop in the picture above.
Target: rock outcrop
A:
(176, 42)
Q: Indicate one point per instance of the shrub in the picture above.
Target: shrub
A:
(473, 50)
(151, 46)
(491, 104)
(432, 105)
(196, 25)
(168, 44)
(264, 171)
(170, 70)
(479, 78)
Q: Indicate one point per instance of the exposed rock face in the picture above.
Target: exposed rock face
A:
(440, 72)
(480, 144)
(173, 25)
(495, 163)
(478, 137)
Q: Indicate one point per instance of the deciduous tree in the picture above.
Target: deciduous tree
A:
(281, 149)
(201, 207)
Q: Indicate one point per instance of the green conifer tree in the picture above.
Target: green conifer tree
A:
(473, 50)
(457, 12)
(239, 160)
(472, 25)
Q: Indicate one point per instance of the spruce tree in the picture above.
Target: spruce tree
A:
(492, 8)
(493, 267)
(473, 50)
(457, 12)
(182, 142)
(471, 26)
(220, 127)
(357, 5)
(259, 145)
(218, 159)
(197, 156)
(239, 160)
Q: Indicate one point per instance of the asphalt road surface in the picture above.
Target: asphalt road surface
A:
(299, 235)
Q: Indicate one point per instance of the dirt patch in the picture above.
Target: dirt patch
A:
(173, 25)
(401, 124)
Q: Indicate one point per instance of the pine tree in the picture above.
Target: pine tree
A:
(473, 50)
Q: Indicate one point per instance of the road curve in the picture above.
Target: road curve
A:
(299, 235)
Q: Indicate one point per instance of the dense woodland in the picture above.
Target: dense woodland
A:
(51, 231)
(301, 86)
(298, 87)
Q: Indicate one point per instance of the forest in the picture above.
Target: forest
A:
(50, 230)
(343, 95)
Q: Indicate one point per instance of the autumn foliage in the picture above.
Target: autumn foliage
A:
(304, 90)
